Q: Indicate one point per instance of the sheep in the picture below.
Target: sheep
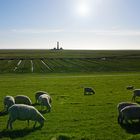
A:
(8, 102)
(88, 91)
(22, 99)
(130, 113)
(130, 87)
(24, 112)
(38, 93)
(122, 105)
(136, 92)
(45, 100)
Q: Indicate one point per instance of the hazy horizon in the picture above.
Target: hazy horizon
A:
(76, 24)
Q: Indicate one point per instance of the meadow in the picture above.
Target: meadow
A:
(75, 116)
(68, 61)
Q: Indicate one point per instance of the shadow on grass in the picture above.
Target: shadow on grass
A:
(3, 113)
(35, 104)
(138, 102)
(133, 128)
(17, 133)
(44, 111)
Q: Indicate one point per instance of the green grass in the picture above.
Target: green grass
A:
(68, 53)
(73, 116)
(68, 61)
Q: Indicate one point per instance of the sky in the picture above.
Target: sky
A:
(76, 24)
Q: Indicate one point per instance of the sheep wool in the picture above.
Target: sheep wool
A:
(38, 93)
(122, 105)
(130, 113)
(136, 93)
(22, 99)
(24, 112)
(8, 102)
(45, 100)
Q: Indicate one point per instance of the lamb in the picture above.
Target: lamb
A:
(45, 100)
(38, 93)
(130, 113)
(88, 91)
(24, 112)
(8, 102)
(136, 93)
(122, 105)
(22, 99)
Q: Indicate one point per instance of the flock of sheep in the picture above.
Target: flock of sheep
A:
(129, 111)
(20, 108)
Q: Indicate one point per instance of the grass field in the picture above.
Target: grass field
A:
(73, 116)
(68, 61)
(64, 75)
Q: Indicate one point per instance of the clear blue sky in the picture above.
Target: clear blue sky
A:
(76, 24)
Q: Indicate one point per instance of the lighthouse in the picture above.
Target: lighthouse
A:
(57, 46)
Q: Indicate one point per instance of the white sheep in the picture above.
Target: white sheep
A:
(45, 100)
(130, 113)
(122, 105)
(22, 99)
(8, 102)
(136, 92)
(24, 112)
(38, 93)
(88, 91)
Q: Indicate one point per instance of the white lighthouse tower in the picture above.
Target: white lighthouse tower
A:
(57, 46)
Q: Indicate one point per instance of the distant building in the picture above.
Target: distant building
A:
(57, 47)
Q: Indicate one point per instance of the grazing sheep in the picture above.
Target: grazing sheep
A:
(22, 99)
(88, 91)
(24, 112)
(8, 102)
(38, 93)
(136, 93)
(130, 87)
(45, 100)
(122, 105)
(130, 113)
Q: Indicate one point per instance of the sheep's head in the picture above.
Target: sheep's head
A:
(41, 120)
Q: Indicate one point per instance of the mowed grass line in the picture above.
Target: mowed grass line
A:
(73, 115)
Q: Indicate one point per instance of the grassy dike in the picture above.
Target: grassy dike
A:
(73, 116)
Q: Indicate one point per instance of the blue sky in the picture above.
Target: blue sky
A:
(76, 24)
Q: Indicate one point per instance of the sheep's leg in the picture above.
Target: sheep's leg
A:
(133, 98)
(35, 124)
(10, 123)
(11, 127)
(119, 119)
(28, 122)
(49, 107)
